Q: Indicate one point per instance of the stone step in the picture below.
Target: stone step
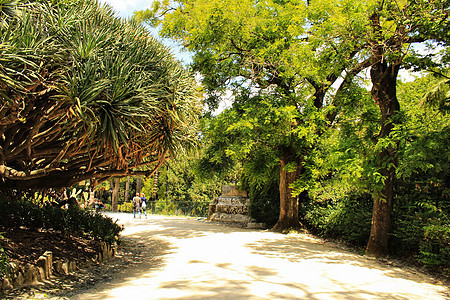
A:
(239, 219)
(232, 200)
(232, 209)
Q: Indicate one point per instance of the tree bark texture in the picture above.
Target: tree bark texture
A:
(155, 186)
(288, 218)
(115, 195)
(127, 189)
(138, 184)
(384, 80)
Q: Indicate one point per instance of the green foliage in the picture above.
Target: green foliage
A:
(422, 210)
(281, 60)
(345, 166)
(435, 246)
(422, 227)
(347, 218)
(265, 201)
(165, 207)
(126, 207)
(184, 208)
(250, 135)
(4, 262)
(179, 181)
(98, 91)
(73, 220)
(422, 220)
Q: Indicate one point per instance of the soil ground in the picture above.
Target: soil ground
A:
(26, 246)
(184, 258)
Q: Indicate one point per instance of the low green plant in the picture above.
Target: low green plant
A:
(421, 227)
(126, 207)
(4, 261)
(347, 218)
(434, 249)
(166, 207)
(73, 220)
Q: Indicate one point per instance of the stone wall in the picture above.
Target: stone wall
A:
(45, 268)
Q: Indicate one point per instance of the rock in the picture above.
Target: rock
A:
(45, 262)
(254, 225)
(104, 248)
(232, 190)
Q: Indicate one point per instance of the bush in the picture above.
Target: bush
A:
(4, 262)
(166, 207)
(434, 249)
(173, 207)
(421, 222)
(126, 207)
(73, 220)
(348, 218)
(265, 203)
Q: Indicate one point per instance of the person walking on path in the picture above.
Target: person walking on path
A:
(144, 204)
(137, 202)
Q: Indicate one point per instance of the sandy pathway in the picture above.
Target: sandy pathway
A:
(191, 259)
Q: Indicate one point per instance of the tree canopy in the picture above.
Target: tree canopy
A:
(86, 95)
(308, 54)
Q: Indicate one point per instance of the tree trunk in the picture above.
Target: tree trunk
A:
(384, 80)
(138, 184)
(127, 189)
(115, 195)
(155, 186)
(288, 218)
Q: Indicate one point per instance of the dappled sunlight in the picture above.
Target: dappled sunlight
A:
(200, 260)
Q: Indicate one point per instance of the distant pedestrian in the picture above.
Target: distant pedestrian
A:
(144, 204)
(137, 205)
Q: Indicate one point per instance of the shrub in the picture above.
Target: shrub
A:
(126, 207)
(4, 262)
(265, 203)
(73, 220)
(165, 207)
(421, 222)
(348, 218)
(434, 247)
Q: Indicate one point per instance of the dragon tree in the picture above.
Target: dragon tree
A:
(85, 95)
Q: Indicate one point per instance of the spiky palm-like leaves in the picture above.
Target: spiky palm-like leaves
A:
(86, 95)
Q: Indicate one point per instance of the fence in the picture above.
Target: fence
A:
(169, 207)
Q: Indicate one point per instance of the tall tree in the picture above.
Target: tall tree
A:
(115, 194)
(394, 27)
(298, 50)
(127, 189)
(86, 95)
(267, 48)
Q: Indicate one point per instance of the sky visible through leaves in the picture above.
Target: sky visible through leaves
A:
(125, 9)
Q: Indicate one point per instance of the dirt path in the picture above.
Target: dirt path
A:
(191, 259)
